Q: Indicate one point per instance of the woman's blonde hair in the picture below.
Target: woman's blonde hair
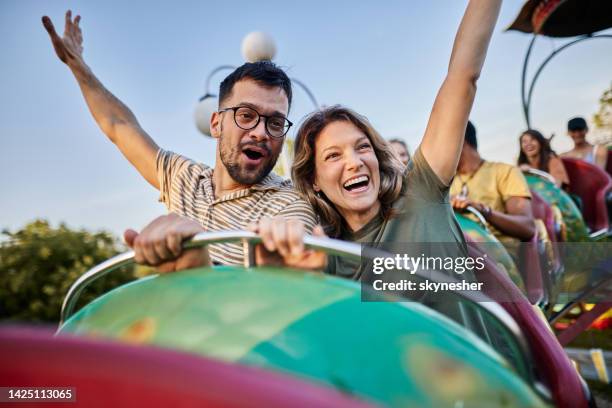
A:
(303, 170)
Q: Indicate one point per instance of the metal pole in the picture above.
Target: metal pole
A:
(212, 73)
(523, 78)
(305, 88)
(527, 101)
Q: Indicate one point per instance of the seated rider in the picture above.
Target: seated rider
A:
(577, 129)
(536, 153)
(498, 190)
(250, 127)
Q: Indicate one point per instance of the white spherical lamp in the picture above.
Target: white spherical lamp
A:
(203, 111)
(258, 46)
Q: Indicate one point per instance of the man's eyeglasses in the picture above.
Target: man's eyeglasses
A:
(248, 118)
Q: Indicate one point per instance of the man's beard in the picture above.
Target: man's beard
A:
(230, 158)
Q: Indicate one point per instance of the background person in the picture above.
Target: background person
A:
(577, 129)
(498, 190)
(401, 149)
(536, 153)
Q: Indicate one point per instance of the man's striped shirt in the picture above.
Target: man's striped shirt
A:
(186, 189)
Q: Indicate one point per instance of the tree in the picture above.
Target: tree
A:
(39, 263)
(603, 118)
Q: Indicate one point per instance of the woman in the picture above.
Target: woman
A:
(357, 185)
(537, 154)
(355, 182)
(401, 149)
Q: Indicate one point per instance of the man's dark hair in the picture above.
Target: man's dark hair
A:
(577, 123)
(470, 135)
(265, 73)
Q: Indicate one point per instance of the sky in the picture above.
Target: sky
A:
(384, 59)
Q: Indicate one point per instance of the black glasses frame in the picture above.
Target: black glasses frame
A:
(259, 116)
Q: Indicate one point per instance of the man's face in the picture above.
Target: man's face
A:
(577, 135)
(249, 155)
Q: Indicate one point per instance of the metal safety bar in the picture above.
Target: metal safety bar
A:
(330, 246)
(249, 240)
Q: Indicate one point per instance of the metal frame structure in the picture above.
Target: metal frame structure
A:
(526, 96)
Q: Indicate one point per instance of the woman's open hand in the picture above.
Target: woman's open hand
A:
(283, 244)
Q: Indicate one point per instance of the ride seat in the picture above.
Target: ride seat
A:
(532, 271)
(553, 365)
(549, 236)
(543, 211)
(591, 184)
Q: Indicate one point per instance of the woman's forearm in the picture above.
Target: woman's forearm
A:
(472, 39)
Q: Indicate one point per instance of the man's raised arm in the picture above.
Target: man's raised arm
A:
(443, 138)
(114, 118)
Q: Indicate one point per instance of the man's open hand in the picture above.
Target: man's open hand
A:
(159, 244)
(68, 48)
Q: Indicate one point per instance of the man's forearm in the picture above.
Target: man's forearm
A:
(114, 118)
(108, 111)
(519, 226)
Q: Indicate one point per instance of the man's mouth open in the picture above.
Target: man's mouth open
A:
(254, 155)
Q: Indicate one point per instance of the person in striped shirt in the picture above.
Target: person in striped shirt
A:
(250, 126)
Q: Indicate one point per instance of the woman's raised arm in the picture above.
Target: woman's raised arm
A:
(445, 131)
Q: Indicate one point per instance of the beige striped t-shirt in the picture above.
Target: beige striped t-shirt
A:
(186, 189)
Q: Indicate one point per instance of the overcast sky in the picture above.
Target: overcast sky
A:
(385, 59)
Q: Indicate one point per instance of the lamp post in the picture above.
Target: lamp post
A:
(256, 46)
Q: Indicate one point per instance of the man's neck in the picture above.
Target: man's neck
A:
(470, 163)
(582, 145)
(223, 183)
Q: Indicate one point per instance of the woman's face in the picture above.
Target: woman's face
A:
(346, 171)
(401, 151)
(530, 145)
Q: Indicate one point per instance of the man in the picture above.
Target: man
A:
(577, 129)
(400, 148)
(249, 126)
(498, 190)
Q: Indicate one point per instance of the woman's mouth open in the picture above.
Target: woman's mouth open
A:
(357, 184)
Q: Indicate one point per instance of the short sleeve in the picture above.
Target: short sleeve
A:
(512, 183)
(422, 182)
(169, 166)
(300, 210)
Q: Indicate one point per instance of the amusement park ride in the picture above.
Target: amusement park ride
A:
(255, 336)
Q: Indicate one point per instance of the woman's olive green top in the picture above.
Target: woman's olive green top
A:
(422, 216)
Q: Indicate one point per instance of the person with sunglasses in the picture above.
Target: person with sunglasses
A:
(250, 126)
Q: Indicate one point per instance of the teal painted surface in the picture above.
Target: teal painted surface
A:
(314, 327)
(494, 248)
(576, 229)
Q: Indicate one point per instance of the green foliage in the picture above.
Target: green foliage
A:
(603, 118)
(39, 263)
